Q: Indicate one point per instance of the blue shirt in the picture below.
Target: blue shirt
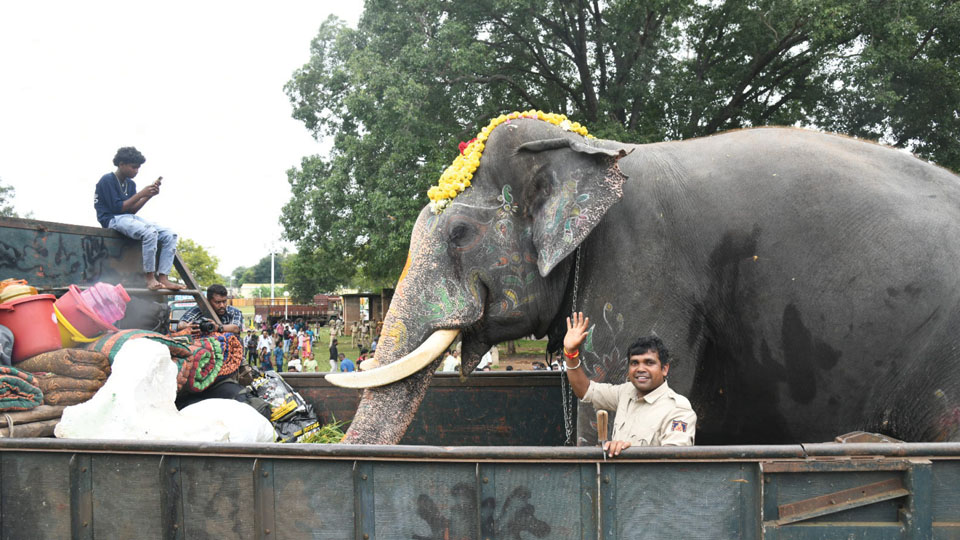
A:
(110, 195)
(232, 316)
(347, 365)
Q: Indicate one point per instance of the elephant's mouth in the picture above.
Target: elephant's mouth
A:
(372, 374)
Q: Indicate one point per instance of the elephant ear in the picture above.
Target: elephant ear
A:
(567, 202)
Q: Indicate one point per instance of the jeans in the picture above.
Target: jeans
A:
(278, 358)
(151, 236)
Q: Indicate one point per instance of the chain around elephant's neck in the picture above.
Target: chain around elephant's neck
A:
(565, 389)
(576, 281)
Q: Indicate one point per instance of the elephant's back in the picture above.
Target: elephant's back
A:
(781, 172)
(851, 235)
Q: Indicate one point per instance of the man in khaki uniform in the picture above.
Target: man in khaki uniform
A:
(649, 413)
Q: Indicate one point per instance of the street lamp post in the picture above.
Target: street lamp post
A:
(286, 302)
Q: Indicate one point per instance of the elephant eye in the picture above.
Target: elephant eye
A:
(460, 235)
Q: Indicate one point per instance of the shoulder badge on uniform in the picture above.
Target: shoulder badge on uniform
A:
(678, 425)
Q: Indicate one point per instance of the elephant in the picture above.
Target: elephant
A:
(806, 283)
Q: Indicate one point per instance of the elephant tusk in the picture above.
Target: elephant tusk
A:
(402, 368)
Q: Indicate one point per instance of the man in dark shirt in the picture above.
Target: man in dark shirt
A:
(334, 358)
(231, 318)
(117, 202)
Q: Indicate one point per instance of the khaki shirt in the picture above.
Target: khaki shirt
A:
(661, 418)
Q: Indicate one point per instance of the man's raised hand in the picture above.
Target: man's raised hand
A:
(577, 330)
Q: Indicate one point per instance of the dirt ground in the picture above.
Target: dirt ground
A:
(519, 362)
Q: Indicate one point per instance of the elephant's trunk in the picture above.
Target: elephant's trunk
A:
(406, 356)
(385, 412)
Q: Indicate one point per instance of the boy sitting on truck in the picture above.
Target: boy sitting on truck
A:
(117, 202)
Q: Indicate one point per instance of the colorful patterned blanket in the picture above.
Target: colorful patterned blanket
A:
(18, 390)
(200, 360)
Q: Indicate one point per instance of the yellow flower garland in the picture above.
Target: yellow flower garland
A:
(457, 176)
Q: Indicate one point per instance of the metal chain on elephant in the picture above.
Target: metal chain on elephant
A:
(566, 391)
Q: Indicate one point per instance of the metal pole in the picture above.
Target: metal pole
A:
(271, 273)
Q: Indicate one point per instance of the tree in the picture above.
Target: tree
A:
(417, 76)
(201, 264)
(903, 86)
(263, 291)
(236, 277)
(7, 194)
(260, 272)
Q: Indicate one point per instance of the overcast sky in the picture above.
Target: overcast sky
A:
(197, 86)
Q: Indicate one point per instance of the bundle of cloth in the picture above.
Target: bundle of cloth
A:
(18, 390)
(67, 376)
(200, 359)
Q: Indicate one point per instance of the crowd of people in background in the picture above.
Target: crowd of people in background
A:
(290, 345)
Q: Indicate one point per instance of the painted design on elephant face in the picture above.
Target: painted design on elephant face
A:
(394, 335)
(556, 206)
(576, 219)
(506, 202)
(442, 306)
(567, 212)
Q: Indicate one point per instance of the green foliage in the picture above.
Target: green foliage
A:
(201, 264)
(264, 292)
(260, 272)
(7, 194)
(396, 94)
(331, 433)
(236, 277)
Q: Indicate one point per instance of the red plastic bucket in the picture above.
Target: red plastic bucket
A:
(33, 323)
(80, 316)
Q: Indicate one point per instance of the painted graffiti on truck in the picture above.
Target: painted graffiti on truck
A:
(515, 517)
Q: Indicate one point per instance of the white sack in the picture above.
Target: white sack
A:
(137, 402)
(244, 423)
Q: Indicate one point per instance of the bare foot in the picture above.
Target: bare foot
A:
(167, 284)
(153, 284)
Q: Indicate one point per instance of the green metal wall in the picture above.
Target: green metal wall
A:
(90, 489)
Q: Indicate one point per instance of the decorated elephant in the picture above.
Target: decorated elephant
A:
(807, 284)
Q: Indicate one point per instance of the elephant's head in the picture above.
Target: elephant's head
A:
(489, 267)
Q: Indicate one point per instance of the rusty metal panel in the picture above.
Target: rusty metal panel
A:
(125, 496)
(217, 497)
(51, 254)
(36, 496)
(845, 465)
(434, 501)
(844, 499)
(314, 499)
(796, 488)
(682, 500)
